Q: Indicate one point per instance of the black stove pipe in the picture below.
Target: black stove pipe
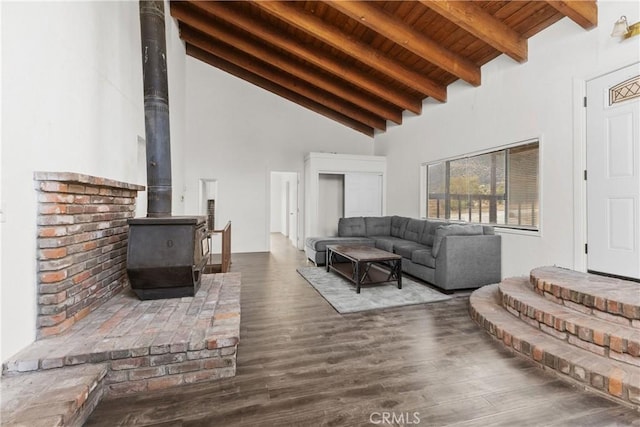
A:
(156, 108)
(166, 255)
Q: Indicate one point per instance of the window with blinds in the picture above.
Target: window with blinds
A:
(500, 188)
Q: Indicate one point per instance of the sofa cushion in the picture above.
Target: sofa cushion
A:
(398, 226)
(430, 231)
(386, 243)
(405, 249)
(414, 229)
(488, 230)
(454, 230)
(377, 225)
(423, 257)
(351, 227)
(320, 243)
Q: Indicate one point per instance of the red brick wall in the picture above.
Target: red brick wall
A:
(82, 245)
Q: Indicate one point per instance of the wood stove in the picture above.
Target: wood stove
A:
(166, 256)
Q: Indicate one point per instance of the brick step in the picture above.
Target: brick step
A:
(613, 299)
(617, 380)
(149, 344)
(55, 397)
(587, 331)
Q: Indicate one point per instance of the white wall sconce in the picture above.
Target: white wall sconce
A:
(623, 30)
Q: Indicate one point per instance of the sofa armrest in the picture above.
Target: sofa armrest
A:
(468, 262)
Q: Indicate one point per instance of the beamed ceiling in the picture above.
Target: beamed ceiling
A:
(362, 63)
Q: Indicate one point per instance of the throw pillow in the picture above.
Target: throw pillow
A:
(453, 230)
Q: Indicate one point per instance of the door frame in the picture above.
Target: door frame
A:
(296, 208)
(580, 165)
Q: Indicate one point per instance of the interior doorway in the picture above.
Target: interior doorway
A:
(284, 210)
(331, 199)
(613, 173)
(207, 202)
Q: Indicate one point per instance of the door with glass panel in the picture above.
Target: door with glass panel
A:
(613, 173)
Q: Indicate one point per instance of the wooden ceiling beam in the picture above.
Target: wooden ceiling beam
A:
(482, 25)
(362, 52)
(260, 68)
(284, 63)
(387, 25)
(225, 12)
(278, 90)
(582, 12)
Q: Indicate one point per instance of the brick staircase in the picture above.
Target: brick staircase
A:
(584, 327)
(124, 346)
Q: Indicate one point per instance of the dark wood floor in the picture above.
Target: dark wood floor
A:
(301, 363)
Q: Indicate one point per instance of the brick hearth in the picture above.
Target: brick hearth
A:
(149, 344)
(125, 346)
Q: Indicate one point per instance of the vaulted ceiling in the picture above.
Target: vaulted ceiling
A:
(362, 63)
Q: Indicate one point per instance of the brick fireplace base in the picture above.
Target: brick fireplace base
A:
(123, 347)
(151, 344)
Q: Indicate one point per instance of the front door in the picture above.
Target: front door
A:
(613, 173)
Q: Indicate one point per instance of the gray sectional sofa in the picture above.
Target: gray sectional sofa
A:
(448, 255)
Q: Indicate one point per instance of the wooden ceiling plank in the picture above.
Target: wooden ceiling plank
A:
(400, 33)
(298, 86)
(277, 90)
(223, 11)
(333, 36)
(482, 25)
(583, 13)
(277, 59)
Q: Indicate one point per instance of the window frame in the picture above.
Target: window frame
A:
(502, 228)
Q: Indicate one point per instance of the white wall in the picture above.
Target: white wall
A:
(238, 134)
(514, 103)
(72, 101)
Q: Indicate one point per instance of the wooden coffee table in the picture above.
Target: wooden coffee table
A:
(364, 265)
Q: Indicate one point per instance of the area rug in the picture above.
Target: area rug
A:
(341, 293)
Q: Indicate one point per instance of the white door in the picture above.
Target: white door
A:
(613, 173)
(293, 210)
(287, 209)
(362, 194)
